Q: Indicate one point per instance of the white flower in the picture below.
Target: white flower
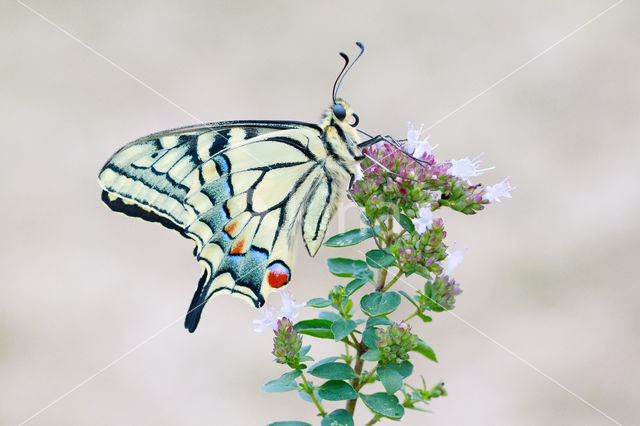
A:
(358, 175)
(501, 189)
(424, 220)
(466, 168)
(416, 147)
(268, 319)
(289, 305)
(454, 258)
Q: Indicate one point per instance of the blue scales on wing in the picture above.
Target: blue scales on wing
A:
(237, 189)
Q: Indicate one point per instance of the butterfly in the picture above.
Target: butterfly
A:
(239, 190)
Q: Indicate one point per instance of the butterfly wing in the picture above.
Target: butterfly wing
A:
(237, 189)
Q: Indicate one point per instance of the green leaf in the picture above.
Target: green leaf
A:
(337, 390)
(305, 396)
(405, 369)
(289, 423)
(333, 371)
(341, 328)
(423, 317)
(319, 302)
(324, 361)
(349, 238)
(378, 321)
(330, 316)
(380, 259)
(383, 404)
(406, 296)
(354, 285)
(304, 350)
(339, 417)
(315, 327)
(390, 379)
(343, 267)
(426, 350)
(285, 383)
(377, 304)
(369, 338)
(404, 221)
(372, 355)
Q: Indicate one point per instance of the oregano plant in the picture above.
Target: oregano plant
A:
(400, 190)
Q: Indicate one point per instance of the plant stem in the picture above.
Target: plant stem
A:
(366, 379)
(393, 281)
(355, 382)
(313, 397)
(375, 419)
(410, 316)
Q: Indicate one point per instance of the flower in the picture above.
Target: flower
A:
(287, 344)
(466, 168)
(289, 305)
(495, 192)
(424, 220)
(269, 318)
(415, 147)
(454, 258)
(395, 342)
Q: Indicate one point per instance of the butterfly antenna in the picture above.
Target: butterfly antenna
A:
(335, 84)
(343, 74)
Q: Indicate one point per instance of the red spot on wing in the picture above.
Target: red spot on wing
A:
(278, 275)
(231, 226)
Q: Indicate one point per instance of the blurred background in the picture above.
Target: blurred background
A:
(96, 299)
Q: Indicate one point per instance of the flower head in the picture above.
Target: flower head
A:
(497, 191)
(287, 344)
(466, 168)
(454, 258)
(269, 317)
(415, 147)
(289, 305)
(424, 220)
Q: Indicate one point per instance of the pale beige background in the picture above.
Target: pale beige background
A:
(550, 274)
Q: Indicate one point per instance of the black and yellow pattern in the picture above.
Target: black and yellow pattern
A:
(238, 189)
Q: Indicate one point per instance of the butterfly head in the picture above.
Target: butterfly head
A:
(341, 120)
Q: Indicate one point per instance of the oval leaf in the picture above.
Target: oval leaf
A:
(289, 423)
(354, 285)
(319, 302)
(337, 390)
(349, 238)
(278, 385)
(405, 369)
(343, 267)
(339, 417)
(378, 321)
(372, 355)
(341, 328)
(380, 259)
(383, 404)
(404, 221)
(377, 304)
(333, 371)
(316, 327)
(426, 350)
(390, 379)
(369, 338)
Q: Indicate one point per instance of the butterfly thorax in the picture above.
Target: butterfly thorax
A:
(340, 137)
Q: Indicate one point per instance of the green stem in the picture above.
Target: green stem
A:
(393, 281)
(375, 419)
(355, 382)
(411, 316)
(309, 391)
(366, 379)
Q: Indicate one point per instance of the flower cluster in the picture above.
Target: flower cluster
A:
(395, 342)
(287, 343)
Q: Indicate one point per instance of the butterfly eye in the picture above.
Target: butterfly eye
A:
(339, 112)
(356, 120)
